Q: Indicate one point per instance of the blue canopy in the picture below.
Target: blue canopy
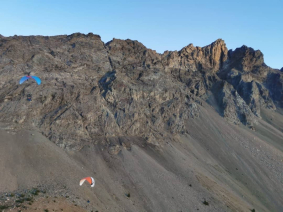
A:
(37, 79)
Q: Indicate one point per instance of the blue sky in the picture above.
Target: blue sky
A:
(159, 25)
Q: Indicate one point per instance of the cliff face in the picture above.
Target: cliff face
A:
(90, 89)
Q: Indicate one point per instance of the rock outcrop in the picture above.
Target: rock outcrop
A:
(121, 88)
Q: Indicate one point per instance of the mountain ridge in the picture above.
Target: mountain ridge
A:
(173, 130)
(117, 72)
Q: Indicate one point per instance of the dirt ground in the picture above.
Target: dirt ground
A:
(217, 166)
(48, 204)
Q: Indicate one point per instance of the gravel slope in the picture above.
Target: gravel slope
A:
(230, 167)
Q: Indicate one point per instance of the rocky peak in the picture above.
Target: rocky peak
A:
(78, 34)
(208, 58)
(217, 53)
(126, 54)
(246, 59)
(82, 37)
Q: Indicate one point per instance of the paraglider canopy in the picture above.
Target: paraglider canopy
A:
(90, 180)
(37, 79)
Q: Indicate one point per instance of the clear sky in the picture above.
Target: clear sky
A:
(159, 24)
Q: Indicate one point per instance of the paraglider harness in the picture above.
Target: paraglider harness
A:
(29, 97)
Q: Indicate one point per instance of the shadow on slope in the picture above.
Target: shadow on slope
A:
(229, 167)
(252, 164)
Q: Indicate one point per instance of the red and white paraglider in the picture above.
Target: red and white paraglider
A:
(90, 180)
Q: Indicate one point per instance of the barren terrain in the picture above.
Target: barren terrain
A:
(200, 129)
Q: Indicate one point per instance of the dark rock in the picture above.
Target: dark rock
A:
(91, 90)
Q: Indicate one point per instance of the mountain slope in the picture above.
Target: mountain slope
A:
(146, 123)
(123, 88)
(230, 167)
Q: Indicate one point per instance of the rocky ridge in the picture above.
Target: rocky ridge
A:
(122, 89)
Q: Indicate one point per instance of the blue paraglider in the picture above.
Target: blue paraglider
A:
(37, 79)
(25, 78)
